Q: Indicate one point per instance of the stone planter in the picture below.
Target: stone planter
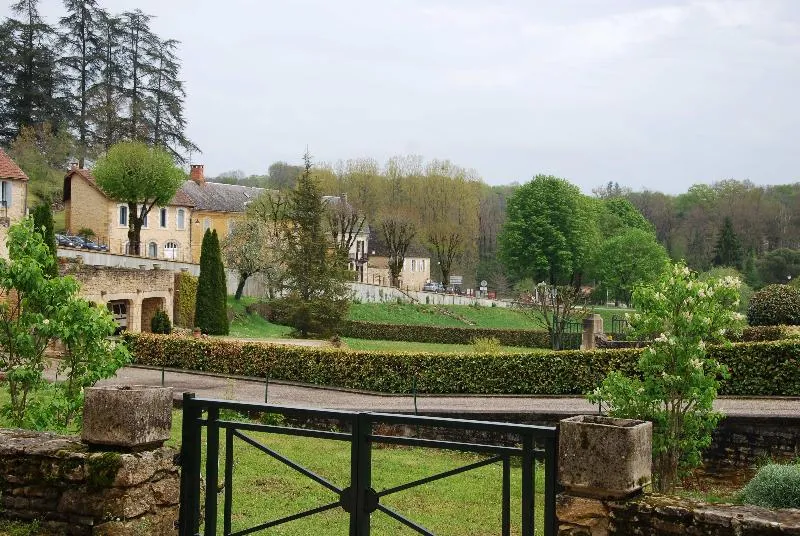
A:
(603, 457)
(128, 416)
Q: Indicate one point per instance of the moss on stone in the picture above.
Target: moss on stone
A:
(102, 469)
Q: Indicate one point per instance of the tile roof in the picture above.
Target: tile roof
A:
(220, 197)
(179, 199)
(9, 169)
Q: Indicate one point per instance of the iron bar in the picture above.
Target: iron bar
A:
(287, 519)
(527, 485)
(439, 476)
(405, 521)
(506, 515)
(284, 430)
(550, 486)
(286, 461)
(212, 471)
(448, 445)
(228, 508)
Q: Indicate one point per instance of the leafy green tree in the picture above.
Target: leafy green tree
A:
(728, 251)
(617, 215)
(318, 297)
(677, 381)
(547, 232)
(779, 266)
(210, 313)
(43, 155)
(141, 177)
(43, 224)
(627, 260)
(283, 176)
(721, 272)
(38, 309)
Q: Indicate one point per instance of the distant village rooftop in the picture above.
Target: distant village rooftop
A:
(9, 169)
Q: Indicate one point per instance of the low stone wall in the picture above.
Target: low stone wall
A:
(72, 490)
(657, 515)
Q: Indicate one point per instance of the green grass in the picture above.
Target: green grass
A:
(403, 346)
(466, 504)
(59, 221)
(247, 326)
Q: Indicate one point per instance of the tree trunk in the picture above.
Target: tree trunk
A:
(240, 287)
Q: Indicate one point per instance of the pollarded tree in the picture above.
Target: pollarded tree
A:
(210, 312)
(141, 177)
(547, 232)
(728, 251)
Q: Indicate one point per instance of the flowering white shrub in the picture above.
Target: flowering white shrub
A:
(678, 382)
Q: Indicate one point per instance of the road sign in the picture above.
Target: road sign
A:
(456, 279)
(484, 283)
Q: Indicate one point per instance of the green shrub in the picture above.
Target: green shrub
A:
(527, 338)
(185, 297)
(767, 333)
(160, 323)
(774, 486)
(486, 345)
(774, 305)
(764, 368)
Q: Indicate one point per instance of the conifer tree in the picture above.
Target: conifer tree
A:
(728, 251)
(43, 224)
(318, 299)
(211, 314)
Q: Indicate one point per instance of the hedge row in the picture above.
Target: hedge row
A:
(445, 334)
(768, 333)
(766, 368)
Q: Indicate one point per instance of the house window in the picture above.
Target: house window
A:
(206, 224)
(123, 215)
(422, 265)
(5, 194)
(413, 265)
(144, 220)
(163, 218)
(171, 250)
(152, 250)
(181, 218)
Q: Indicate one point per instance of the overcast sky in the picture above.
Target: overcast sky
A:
(655, 94)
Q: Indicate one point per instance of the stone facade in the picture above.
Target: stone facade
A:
(74, 491)
(416, 272)
(657, 515)
(222, 222)
(13, 198)
(87, 207)
(141, 291)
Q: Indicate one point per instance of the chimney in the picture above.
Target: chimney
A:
(196, 174)
(74, 166)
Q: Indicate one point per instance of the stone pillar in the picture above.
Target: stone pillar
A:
(135, 315)
(592, 326)
(600, 459)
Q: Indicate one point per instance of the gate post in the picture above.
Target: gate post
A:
(360, 474)
(189, 520)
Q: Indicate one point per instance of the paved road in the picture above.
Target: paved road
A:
(214, 386)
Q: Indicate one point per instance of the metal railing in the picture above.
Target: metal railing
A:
(358, 499)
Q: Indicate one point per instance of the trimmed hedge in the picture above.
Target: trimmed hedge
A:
(773, 305)
(766, 368)
(528, 338)
(767, 333)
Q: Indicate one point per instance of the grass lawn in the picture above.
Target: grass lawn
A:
(247, 326)
(59, 221)
(466, 504)
(403, 346)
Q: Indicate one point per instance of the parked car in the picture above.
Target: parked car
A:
(430, 287)
(93, 246)
(66, 241)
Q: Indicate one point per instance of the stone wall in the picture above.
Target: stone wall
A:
(657, 515)
(71, 490)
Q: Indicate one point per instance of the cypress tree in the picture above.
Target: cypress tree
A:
(43, 224)
(211, 314)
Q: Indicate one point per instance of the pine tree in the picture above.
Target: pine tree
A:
(728, 251)
(106, 95)
(318, 294)
(33, 86)
(211, 314)
(137, 49)
(43, 224)
(80, 42)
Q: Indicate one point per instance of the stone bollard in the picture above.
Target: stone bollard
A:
(599, 459)
(592, 327)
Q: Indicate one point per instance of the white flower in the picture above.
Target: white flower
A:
(701, 345)
(661, 338)
(722, 331)
(46, 321)
(738, 317)
(697, 363)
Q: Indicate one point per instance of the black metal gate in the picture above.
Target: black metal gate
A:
(359, 499)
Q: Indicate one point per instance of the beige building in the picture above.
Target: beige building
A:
(416, 266)
(13, 198)
(216, 206)
(165, 235)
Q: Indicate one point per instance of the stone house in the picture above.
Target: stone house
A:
(216, 206)
(13, 197)
(416, 267)
(165, 235)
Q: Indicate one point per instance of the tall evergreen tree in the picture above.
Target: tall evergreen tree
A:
(81, 46)
(318, 294)
(211, 314)
(35, 94)
(138, 47)
(106, 95)
(728, 251)
(43, 224)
